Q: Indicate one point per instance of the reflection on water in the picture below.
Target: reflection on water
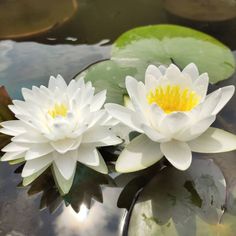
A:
(27, 64)
(19, 214)
(102, 219)
(92, 21)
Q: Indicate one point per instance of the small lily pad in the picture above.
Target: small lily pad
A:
(165, 44)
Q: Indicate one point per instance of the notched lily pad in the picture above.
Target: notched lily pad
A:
(179, 203)
(163, 44)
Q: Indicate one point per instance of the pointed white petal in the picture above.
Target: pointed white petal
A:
(9, 156)
(122, 114)
(207, 107)
(63, 184)
(64, 145)
(173, 123)
(152, 77)
(18, 127)
(38, 150)
(98, 101)
(200, 85)
(30, 137)
(192, 70)
(57, 82)
(29, 179)
(15, 147)
(88, 155)
(226, 94)
(102, 167)
(33, 166)
(153, 71)
(214, 141)
(177, 153)
(139, 154)
(137, 94)
(196, 129)
(153, 134)
(8, 132)
(66, 163)
(100, 136)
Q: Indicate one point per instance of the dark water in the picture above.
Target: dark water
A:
(43, 38)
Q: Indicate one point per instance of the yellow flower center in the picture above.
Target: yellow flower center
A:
(172, 98)
(58, 110)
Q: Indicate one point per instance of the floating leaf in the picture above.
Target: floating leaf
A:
(108, 75)
(28, 18)
(173, 201)
(163, 44)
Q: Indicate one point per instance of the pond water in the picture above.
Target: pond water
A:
(43, 38)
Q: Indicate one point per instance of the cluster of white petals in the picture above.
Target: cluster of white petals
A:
(59, 125)
(173, 113)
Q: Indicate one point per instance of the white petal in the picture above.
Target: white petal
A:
(88, 155)
(100, 136)
(207, 107)
(226, 93)
(9, 156)
(33, 166)
(200, 85)
(153, 134)
(214, 141)
(18, 127)
(66, 163)
(153, 71)
(122, 114)
(139, 154)
(152, 77)
(63, 184)
(177, 153)
(110, 121)
(173, 123)
(98, 101)
(102, 167)
(57, 82)
(29, 179)
(64, 145)
(38, 150)
(192, 70)
(15, 147)
(137, 94)
(8, 132)
(30, 137)
(195, 130)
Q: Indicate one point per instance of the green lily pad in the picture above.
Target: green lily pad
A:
(164, 44)
(183, 203)
(108, 75)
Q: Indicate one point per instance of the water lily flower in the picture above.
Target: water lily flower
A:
(173, 113)
(59, 125)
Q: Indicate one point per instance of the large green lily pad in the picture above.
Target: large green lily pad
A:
(184, 203)
(163, 44)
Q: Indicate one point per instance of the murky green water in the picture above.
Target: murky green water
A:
(43, 38)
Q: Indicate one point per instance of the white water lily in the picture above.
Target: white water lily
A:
(59, 126)
(173, 114)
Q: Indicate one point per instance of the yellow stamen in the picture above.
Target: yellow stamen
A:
(58, 110)
(172, 98)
